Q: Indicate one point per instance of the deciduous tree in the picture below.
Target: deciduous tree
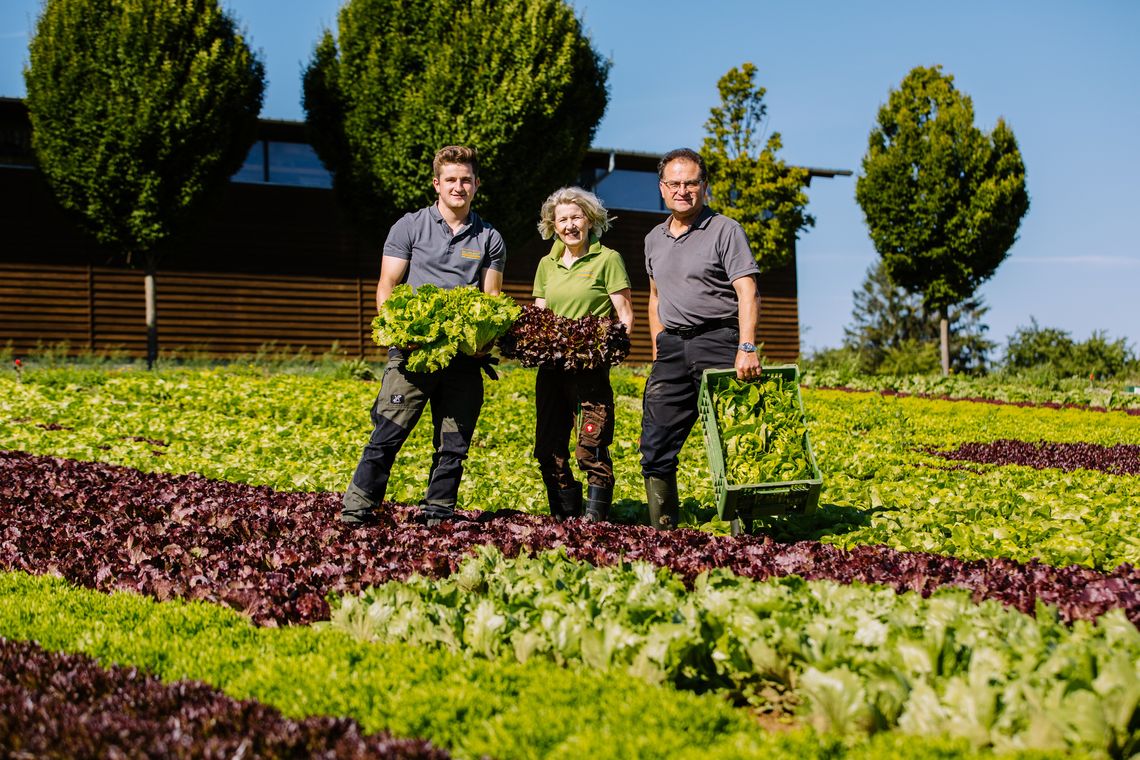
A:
(750, 184)
(516, 79)
(1051, 349)
(942, 199)
(140, 109)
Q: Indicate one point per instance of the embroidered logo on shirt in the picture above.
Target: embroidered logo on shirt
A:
(471, 253)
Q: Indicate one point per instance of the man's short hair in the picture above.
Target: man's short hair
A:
(688, 155)
(455, 154)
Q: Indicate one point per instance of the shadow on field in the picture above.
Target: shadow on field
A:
(827, 520)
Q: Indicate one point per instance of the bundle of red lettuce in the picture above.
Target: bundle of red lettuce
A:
(539, 337)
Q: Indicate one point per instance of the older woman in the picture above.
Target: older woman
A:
(578, 277)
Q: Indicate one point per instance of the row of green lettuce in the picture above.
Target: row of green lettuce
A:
(471, 706)
(880, 486)
(848, 659)
(1080, 391)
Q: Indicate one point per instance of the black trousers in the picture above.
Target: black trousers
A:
(456, 396)
(669, 406)
(558, 395)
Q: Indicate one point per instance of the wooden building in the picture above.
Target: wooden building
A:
(275, 261)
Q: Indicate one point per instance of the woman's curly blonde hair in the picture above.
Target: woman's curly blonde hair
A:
(591, 206)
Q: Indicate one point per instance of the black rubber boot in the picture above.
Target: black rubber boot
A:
(664, 504)
(565, 502)
(357, 507)
(598, 501)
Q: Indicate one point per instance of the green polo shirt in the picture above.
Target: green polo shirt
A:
(585, 286)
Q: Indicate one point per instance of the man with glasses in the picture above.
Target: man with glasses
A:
(703, 306)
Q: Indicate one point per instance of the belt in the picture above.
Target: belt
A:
(694, 330)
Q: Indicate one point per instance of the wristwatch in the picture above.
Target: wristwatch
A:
(747, 348)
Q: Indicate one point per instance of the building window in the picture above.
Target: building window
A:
(253, 170)
(296, 164)
(283, 163)
(628, 189)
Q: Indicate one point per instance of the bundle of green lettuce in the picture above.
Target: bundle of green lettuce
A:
(440, 323)
(762, 430)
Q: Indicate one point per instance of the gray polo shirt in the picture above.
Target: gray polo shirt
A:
(694, 272)
(440, 257)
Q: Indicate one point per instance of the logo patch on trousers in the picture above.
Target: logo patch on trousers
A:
(397, 398)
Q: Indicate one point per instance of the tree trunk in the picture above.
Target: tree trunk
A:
(944, 330)
(151, 313)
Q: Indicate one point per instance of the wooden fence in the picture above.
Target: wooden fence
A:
(273, 266)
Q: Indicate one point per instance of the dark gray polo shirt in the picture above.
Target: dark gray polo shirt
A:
(694, 272)
(440, 257)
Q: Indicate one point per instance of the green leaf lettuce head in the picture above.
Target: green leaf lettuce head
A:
(762, 430)
(441, 323)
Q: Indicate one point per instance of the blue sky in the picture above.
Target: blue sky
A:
(1064, 75)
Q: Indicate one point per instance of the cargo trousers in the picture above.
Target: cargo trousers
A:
(669, 406)
(456, 397)
(558, 395)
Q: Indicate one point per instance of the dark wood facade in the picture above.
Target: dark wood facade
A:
(271, 264)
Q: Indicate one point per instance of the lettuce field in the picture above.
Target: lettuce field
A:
(174, 582)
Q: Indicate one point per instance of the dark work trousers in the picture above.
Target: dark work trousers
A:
(558, 394)
(456, 396)
(669, 406)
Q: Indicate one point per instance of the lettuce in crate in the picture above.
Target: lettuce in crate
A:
(441, 323)
(762, 430)
(539, 337)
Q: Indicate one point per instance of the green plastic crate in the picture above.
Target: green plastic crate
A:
(749, 501)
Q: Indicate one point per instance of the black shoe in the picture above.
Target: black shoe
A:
(357, 507)
(356, 518)
(431, 515)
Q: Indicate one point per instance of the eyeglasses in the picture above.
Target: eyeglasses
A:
(688, 184)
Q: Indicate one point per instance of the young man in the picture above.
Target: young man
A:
(703, 306)
(448, 245)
